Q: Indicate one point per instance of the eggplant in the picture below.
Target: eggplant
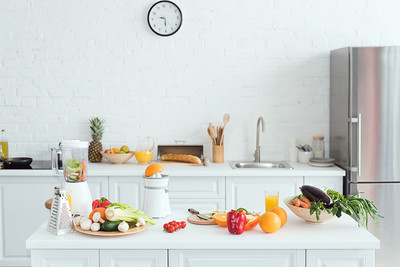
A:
(316, 194)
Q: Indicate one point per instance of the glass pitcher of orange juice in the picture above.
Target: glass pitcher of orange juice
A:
(271, 200)
(144, 149)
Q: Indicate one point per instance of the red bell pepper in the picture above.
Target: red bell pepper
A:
(101, 203)
(236, 221)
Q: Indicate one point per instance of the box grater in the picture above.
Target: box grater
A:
(60, 221)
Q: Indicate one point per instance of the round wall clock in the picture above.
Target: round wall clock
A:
(164, 18)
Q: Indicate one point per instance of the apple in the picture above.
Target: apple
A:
(109, 151)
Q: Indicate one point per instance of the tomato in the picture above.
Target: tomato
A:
(165, 226)
(173, 221)
(171, 229)
(183, 224)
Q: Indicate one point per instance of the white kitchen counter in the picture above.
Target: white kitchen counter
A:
(224, 169)
(335, 234)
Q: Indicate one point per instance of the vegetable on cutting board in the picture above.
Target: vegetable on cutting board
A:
(124, 212)
(335, 203)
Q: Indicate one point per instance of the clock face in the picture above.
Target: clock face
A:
(164, 18)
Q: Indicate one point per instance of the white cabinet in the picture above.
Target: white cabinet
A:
(202, 205)
(22, 212)
(127, 190)
(331, 182)
(65, 258)
(196, 187)
(236, 258)
(342, 258)
(204, 194)
(98, 186)
(248, 192)
(130, 258)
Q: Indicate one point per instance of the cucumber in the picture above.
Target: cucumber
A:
(110, 226)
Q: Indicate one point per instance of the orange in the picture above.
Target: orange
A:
(252, 222)
(281, 213)
(270, 222)
(153, 169)
(220, 219)
(115, 150)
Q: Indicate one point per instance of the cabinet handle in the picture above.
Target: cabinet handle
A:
(359, 134)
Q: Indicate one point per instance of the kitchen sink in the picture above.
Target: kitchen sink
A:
(261, 165)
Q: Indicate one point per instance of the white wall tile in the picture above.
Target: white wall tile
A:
(64, 62)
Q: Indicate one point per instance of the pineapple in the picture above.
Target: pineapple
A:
(95, 147)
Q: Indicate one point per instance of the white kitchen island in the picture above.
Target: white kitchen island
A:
(338, 242)
(216, 187)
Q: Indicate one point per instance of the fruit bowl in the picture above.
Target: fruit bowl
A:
(118, 158)
(305, 213)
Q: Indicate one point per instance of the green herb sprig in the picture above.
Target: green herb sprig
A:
(359, 208)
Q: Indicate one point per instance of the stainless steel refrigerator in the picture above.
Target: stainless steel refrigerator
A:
(365, 134)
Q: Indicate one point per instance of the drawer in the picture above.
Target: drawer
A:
(202, 205)
(196, 187)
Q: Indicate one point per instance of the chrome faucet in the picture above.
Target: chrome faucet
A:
(257, 153)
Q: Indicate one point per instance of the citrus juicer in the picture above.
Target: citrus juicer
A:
(156, 197)
(74, 154)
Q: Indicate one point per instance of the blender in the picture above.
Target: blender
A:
(74, 154)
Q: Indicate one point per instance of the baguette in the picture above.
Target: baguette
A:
(181, 158)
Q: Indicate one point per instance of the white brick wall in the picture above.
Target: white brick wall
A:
(62, 62)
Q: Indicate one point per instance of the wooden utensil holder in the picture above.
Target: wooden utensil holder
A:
(218, 154)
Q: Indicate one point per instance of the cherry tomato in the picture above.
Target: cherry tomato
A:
(171, 229)
(174, 221)
(165, 226)
(183, 224)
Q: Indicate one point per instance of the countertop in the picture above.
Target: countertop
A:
(336, 233)
(133, 169)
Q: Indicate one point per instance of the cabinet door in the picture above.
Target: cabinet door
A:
(331, 182)
(129, 258)
(202, 205)
(196, 187)
(342, 258)
(22, 200)
(236, 258)
(127, 190)
(65, 258)
(98, 186)
(249, 192)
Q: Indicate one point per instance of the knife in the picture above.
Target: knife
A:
(201, 216)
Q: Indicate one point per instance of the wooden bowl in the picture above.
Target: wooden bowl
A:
(118, 158)
(305, 213)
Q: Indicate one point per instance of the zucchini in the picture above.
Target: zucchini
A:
(110, 226)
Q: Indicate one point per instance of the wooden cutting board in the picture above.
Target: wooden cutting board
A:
(196, 220)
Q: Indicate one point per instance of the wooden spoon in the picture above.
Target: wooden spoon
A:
(226, 119)
(210, 134)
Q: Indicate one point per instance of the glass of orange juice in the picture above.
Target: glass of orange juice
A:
(271, 200)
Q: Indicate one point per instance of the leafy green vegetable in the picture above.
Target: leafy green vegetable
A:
(124, 212)
(359, 208)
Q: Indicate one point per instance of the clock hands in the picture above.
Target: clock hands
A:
(165, 21)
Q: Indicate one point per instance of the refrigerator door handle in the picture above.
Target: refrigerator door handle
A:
(359, 119)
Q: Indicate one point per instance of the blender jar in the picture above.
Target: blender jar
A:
(74, 155)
